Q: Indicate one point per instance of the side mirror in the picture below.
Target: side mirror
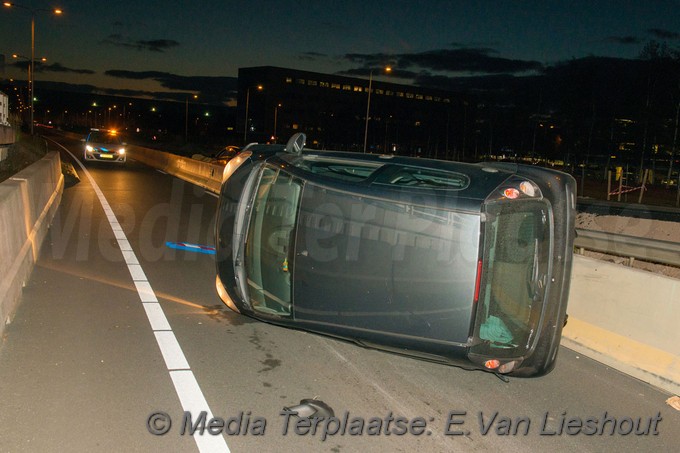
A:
(296, 143)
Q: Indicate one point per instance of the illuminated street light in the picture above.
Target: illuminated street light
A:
(368, 103)
(186, 120)
(33, 11)
(276, 112)
(30, 72)
(245, 129)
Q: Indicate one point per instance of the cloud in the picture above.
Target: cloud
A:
(53, 67)
(312, 56)
(153, 45)
(467, 60)
(623, 40)
(217, 90)
(57, 67)
(663, 34)
(394, 73)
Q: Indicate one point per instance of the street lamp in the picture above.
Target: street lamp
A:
(245, 129)
(276, 112)
(33, 11)
(186, 120)
(368, 103)
(28, 68)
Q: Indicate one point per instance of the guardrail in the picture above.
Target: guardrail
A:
(642, 211)
(663, 252)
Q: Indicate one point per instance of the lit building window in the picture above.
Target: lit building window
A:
(335, 86)
(312, 83)
(324, 84)
(437, 99)
(428, 98)
(347, 87)
(358, 89)
(301, 81)
(400, 94)
(409, 95)
(419, 96)
(389, 93)
(289, 80)
(378, 91)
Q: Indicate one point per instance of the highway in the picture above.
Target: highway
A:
(90, 356)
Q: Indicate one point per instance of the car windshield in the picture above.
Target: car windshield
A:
(514, 277)
(103, 137)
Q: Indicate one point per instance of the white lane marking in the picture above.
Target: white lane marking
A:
(137, 272)
(194, 402)
(130, 257)
(125, 245)
(187, 388)
(156, 316)
(145, 292)
(172, 352)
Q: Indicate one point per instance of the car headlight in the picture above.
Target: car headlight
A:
(89, 148)
(121, 151)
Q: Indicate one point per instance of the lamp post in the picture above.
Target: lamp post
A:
(276, 112)
(245, 129)
(33, 11)
(186, 120)
(368, 103)
(29, 69)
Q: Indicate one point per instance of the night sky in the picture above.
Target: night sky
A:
(139, 48)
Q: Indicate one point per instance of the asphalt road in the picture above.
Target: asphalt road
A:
(89, 358)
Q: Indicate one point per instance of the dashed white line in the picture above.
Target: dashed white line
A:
(187, 388)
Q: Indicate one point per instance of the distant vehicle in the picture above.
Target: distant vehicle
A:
(466, 264)
(104, 146)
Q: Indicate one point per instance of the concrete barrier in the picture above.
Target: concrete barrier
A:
(626, 318)
(7, 135)
(203, 174)
(28, 202)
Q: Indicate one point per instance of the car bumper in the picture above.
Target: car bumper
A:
(103, 157)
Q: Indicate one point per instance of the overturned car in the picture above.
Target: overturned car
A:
(466, 264)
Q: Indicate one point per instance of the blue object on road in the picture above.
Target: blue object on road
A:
(191, 247)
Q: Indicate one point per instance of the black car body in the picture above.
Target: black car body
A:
(467, 264)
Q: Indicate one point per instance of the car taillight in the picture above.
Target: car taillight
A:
(516, 187)
(511, 193)
(508, 366)
(478, 280)
(492, 364)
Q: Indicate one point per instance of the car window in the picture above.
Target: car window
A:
(269, 239)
